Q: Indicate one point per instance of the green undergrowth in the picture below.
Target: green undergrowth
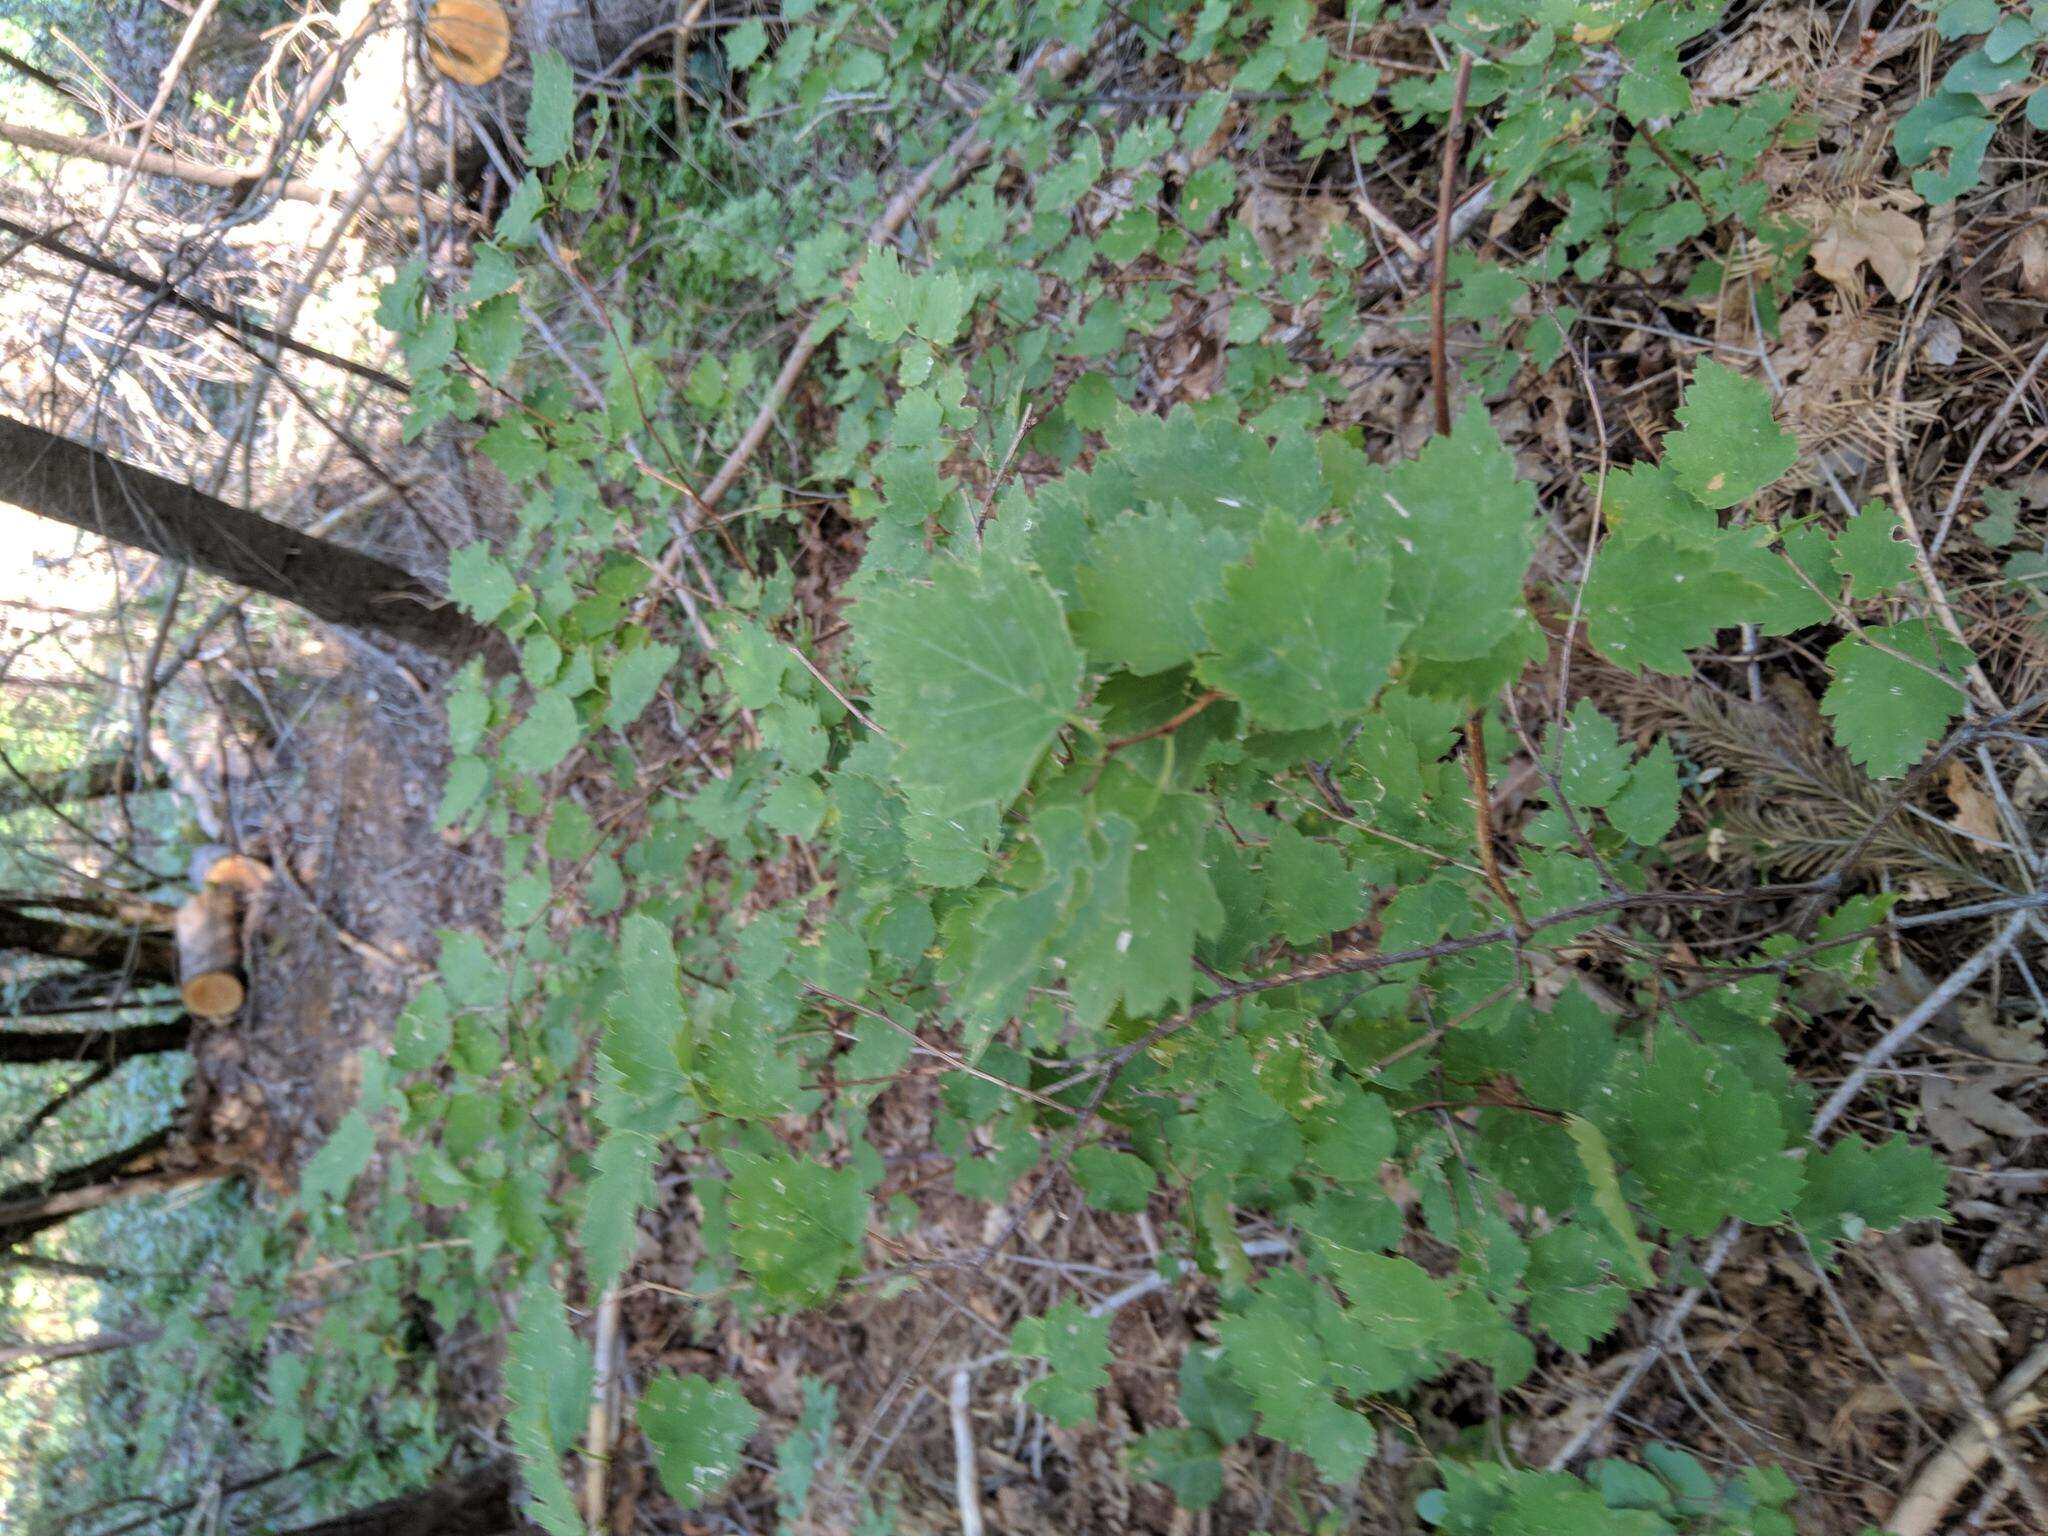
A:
(1140, 786)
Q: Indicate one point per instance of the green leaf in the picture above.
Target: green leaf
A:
(550, 114)
(1111, 1180)
(1886, 705)
(1599, 1165)
(1277, 1356)
(1075, 1347)
(1729, 446)
(1459, 528)
(644, 1017)
(745, 44)
(634, 679)
(972, 676)
(548, 734)
(1311, 890)
(479, 582)
(797, 1227)
(1854, 1187)
(1572, 1294)
(1210, 1399)
(1870, 552)
(1302, 635)
(697, 1430)
(1139, 587)
(330, 1171)
(1150, 898)
(547, 1393)
(1592, 764)
(491, 336)
(522, 212)
(620, 1188)
(1650, 600)
(885, 298)
(1999, 525)
(1185, 1460)
(1705, 1144)
(1646, 808)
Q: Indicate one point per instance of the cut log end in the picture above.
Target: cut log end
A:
(213, 995)
(210, 953)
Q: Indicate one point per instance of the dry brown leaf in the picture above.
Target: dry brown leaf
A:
(469, 40)
(1976, 812)
(1287, 227)
(1941, 341)
(1858, 231)
(2000, 1042)
(1967, 1115)
(2030, 247)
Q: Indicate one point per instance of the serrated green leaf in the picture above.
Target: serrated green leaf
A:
(1140, 584)
(1185, 1460)
(885, 297)
(1598, 1163)
(1705, 1144)
(973, 673)
(1646, 808)
(1150, 899)
(1353, 1138)
(1572, 1293)
(330, 1171)
(644, 1017)
(1854, 1187)
(479, 582)
(1649, 601)
(548, 734)
(1729, 445)
(1310, 889)
(1111, 1180)
(620, 1187)
(697, 1430)
(1459, 528)
(1275, 1354)
(1210, 1399)
(547, 1392)
(1870, 552)
(1887, 710)
(1302, 635)
(1592, 764)
(491, 336)
(634, 678)
(797, 1227)
(1075, 1347)
(550, 112)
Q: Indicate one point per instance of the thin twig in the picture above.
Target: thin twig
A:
(966, 1480)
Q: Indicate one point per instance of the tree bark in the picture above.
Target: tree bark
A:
(37, 1205)
(95, 780)
(98, 1046)
(477, 1503)
(109, 948)
(74, 484)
